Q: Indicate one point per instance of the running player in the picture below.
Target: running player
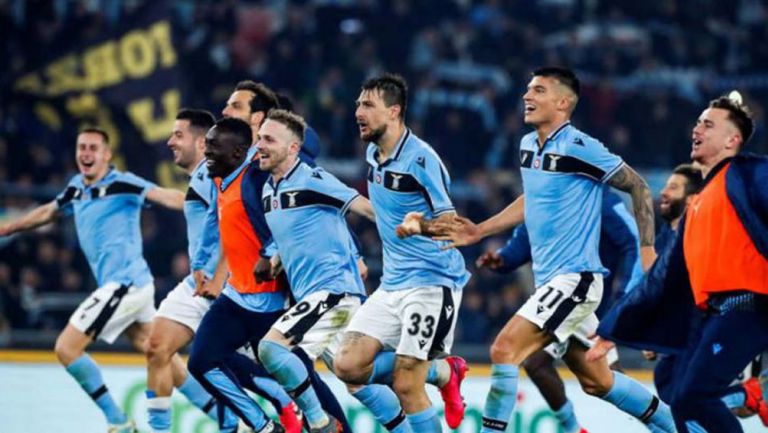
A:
(250, 102)
(619, 251)
(563, 173)
(106, 204)
(305, 209)
(414, 310)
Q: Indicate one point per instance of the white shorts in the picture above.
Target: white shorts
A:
(586, 329)
(561, 305)
(316, 324)
(416, 322)
(110, 309)
(183, 307)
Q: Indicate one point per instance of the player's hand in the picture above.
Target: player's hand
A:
(5, 230)
(363, 269)
(199, 277)
(491, 260)
(277, 266)
(647, 257)
(600, 349)
(458, 231)
(410, 226)
(262, 271)
(211, 290)
(649, 355)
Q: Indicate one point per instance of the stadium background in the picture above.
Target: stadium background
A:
(647, 69)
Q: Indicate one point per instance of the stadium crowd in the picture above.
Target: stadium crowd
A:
(647, 67)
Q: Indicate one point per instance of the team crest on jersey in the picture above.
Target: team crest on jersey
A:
(292, 198)
(378, 178)
(274, 204)
(536, 163)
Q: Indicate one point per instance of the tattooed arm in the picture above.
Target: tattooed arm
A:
(627, 180)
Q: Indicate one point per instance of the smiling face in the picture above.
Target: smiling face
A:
(673, 198)
(223, 153)
(278, 147)
(373, 116)
(714, 137)
(187, 146)
(93, 155)
(546, 101)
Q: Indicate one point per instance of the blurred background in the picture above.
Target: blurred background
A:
(647, 69)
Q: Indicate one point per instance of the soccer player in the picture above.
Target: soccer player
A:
(563, 171)
(106, 204)
(246, 309)
(305, 209)
(250, 102)
(414, 310)
(718, 264)
(619, 251)
(182, 310)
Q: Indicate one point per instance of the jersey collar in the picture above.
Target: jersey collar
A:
(398, 149)
(287, 175)
(552, 135)
(225, 182)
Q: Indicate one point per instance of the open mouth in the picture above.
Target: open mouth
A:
(696, 143)
(88, 164)
(362, 126)
(529, 108)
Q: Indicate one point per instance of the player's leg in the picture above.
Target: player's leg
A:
(173, 327)
(516, 342)
(729, 341)
(618, 389)
(70, 350)
(311, 324)
(224, 329)
(427, 318)
(105, 314)
(255, 378)
(540, 368)
(373, 325)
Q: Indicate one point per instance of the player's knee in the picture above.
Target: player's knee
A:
(65, 353)
(502, 352)
(157, 351)
(595, 387)
(405, 386)
(348, 369)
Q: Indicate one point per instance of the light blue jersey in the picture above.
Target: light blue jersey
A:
(413, 179)
(562, 183)
(200, 196)
(107, 218)
(305, 212)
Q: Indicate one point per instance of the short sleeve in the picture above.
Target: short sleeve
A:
(65, 198)
(139, 182)
(431, 174)
(596, 160)
(337, 191)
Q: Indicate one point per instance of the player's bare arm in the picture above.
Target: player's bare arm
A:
(462, 231)
(627, 180)
(414, 223)
(167, 197)
(362, 206)
(39, 216)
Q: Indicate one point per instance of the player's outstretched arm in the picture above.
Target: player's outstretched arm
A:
(627, 180)
(37, 217)
(166, 197)
(362, 206)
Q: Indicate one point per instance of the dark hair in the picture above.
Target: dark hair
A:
(564, 75)
(238, 128)
(393, 90)
(694, 180)
(739, 114)
(95, 130)
(284, 102)
(264, 98)
(292, 121)
(202, 120)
